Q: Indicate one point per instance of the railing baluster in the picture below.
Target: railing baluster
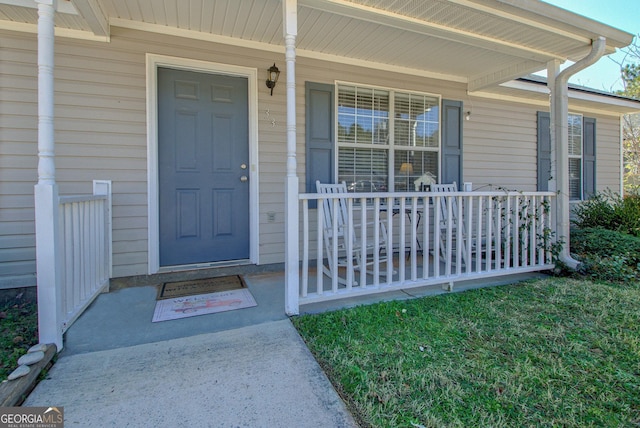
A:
(437, 235)
(532, 231)
(449, 235)
(334, 242)
(349, 234)
(489, 234)
(376, 242)
(508, 226)
(479, 236)
(499, 238)
(364, 233)
(426, 223)
(402, 246)
(469, 239)
(389, 240)
(460, 255)
(305, 248)
(414, 238)
(541, 235)
(320, 248)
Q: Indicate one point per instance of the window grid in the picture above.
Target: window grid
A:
(575, 156)
(402, 159)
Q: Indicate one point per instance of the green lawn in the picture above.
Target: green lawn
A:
(551, 352)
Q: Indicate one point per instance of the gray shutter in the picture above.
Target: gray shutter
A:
(452, 142)
(544, 151)
(588, 157)
(319, 131)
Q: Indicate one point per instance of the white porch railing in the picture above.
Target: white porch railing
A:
(435, 238)
(85, 250)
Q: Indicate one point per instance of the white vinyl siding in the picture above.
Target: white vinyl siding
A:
(18, 147)
(500, 145)
(608, 154)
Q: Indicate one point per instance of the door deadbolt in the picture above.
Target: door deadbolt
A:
(243, 166)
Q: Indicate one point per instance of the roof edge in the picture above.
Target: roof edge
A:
(615, 37)
(541, 80)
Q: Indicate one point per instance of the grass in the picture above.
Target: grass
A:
(552, 352)
(19, 331)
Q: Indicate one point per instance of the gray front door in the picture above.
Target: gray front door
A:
(203, 154)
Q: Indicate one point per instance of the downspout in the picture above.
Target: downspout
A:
(559, 140)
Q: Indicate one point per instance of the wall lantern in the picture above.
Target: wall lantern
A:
(274, 73)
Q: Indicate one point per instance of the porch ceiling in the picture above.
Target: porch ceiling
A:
(478, 42)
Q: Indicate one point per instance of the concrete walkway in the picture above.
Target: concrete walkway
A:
(257, 376)
(244, 368)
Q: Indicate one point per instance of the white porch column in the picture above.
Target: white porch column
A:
(291, 235)
(559, 142)
(46, 191)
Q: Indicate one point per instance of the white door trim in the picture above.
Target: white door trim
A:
(154, 61)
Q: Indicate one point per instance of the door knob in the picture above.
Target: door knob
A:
(243, 178)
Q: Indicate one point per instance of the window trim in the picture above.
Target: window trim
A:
(390, 147)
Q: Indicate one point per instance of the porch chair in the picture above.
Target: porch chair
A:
(444, 212)
(360, 255)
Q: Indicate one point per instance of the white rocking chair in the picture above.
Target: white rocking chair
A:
(335, 228)
(444, 223)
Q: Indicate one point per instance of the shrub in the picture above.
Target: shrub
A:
(607, 254)
(610, 211)
(595, 212)
(628, 213)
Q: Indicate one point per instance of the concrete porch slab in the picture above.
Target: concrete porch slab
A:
(122, 318)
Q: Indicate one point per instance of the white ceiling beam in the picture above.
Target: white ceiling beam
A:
(477, 83)
(406, 23)
(91, 11)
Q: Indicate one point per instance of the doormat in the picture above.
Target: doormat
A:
(169, 290)
(202, 304)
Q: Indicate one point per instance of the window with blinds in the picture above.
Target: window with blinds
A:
(387, 140)
(575, 157)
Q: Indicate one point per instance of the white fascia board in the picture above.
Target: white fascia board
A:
(476, 5)
(63, 6)
(59, 32)
(526, 86)
(615, 38)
